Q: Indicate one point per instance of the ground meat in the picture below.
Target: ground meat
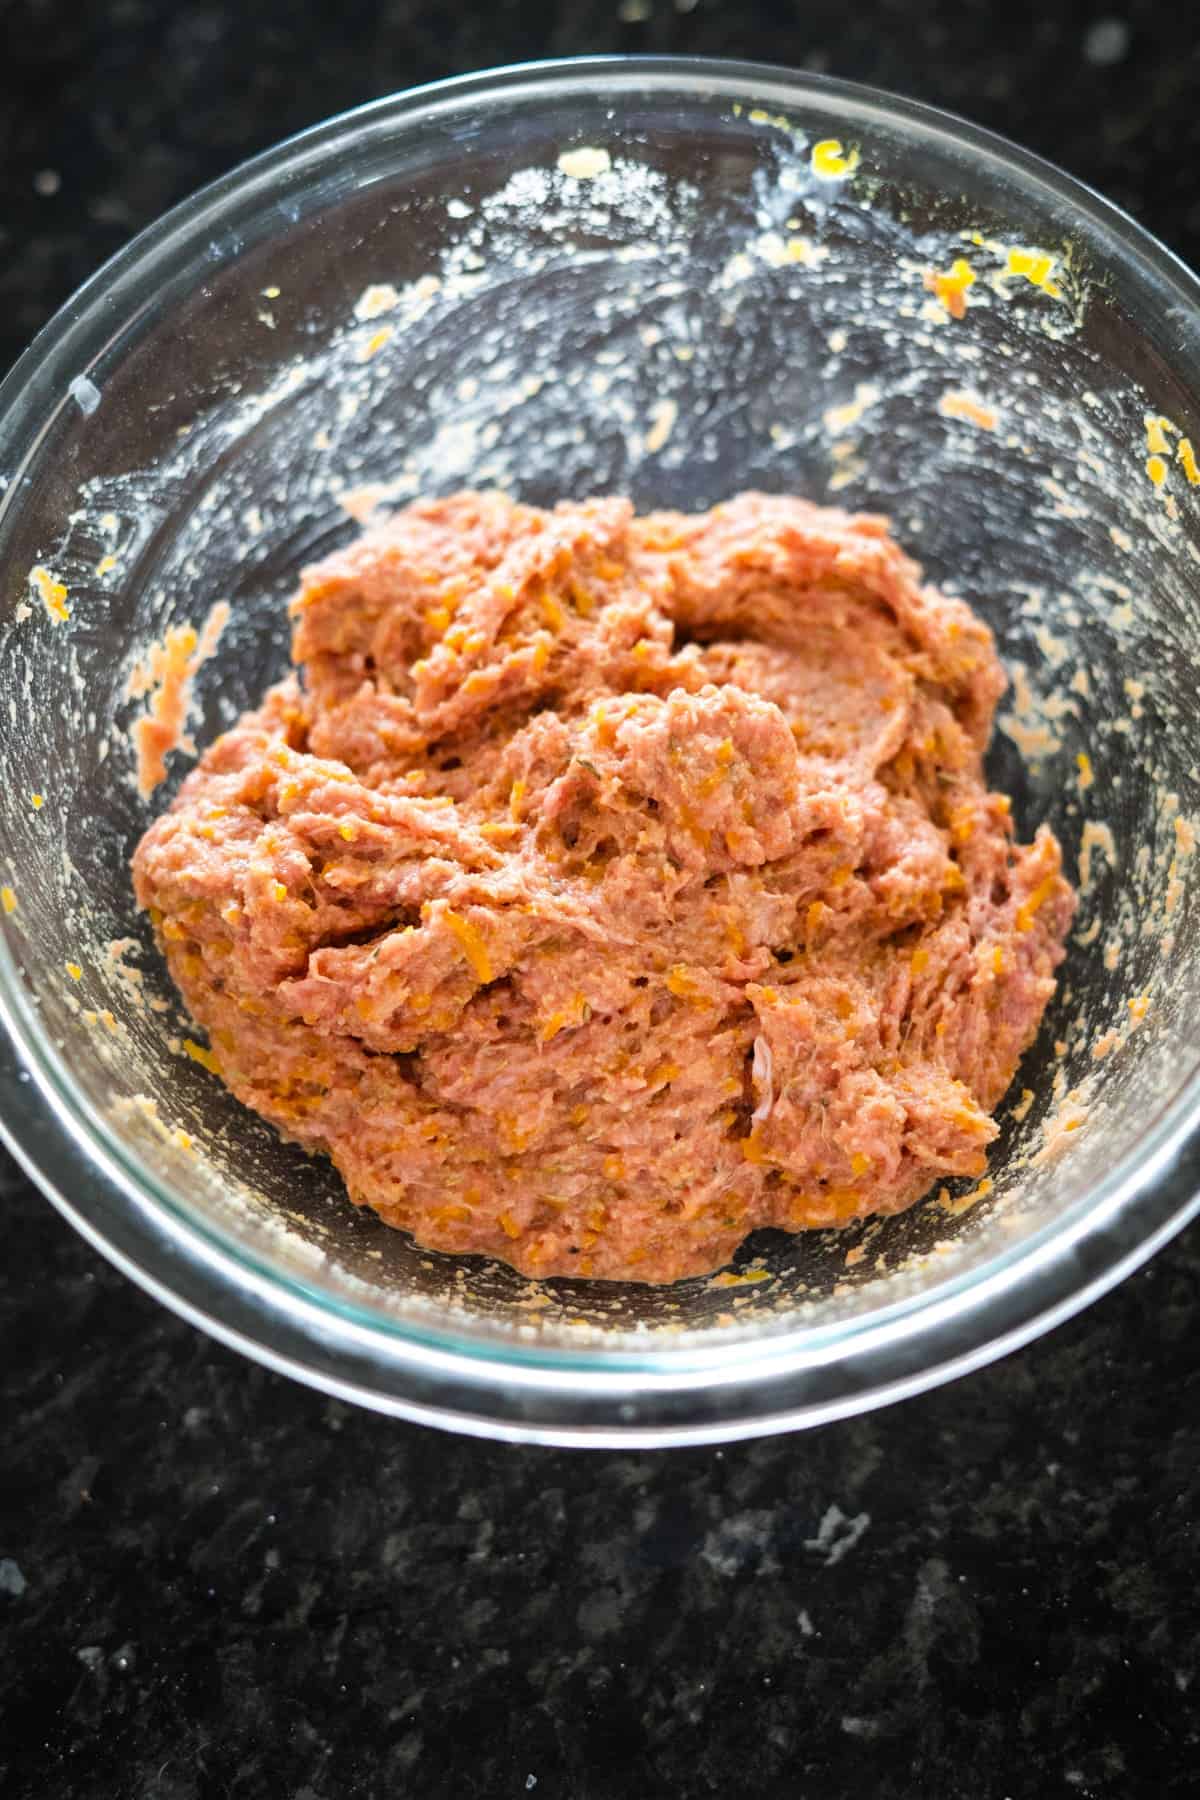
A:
(607, 887)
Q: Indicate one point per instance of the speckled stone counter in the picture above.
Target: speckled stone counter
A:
(214, 1583)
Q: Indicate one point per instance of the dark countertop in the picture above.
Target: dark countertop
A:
(214, 1583)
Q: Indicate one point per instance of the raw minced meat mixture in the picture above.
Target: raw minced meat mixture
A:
(606, 887)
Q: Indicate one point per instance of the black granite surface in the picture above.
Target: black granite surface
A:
(214, 1583)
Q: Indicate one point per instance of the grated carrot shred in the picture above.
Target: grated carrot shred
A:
(471, 943)
(1028, 909)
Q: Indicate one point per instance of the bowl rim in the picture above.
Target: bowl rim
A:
(780, 1381)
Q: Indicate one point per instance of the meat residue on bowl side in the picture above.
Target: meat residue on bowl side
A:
(606, 887)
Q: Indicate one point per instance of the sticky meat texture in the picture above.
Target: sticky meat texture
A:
(605, 887)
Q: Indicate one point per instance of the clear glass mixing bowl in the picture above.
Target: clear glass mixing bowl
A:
(675, 280)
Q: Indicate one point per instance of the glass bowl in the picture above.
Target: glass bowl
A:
(674, 280)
